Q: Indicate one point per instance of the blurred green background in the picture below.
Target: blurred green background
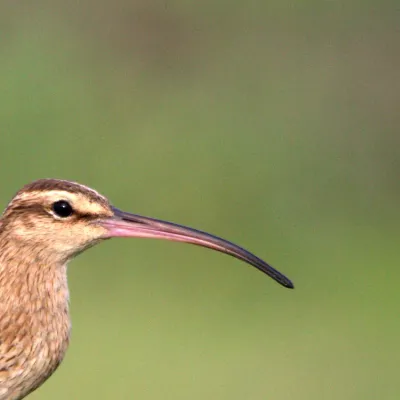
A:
(274, 124)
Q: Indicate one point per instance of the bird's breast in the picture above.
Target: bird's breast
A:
(31, 351)
(34, 334)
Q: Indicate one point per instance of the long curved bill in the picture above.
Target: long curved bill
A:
(123, 224)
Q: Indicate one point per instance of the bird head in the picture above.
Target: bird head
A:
(56, 218)
(59, 219)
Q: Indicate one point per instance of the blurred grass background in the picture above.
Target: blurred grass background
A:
(271, 123)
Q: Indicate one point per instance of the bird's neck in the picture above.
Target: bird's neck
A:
(34, 315)
(31, 280)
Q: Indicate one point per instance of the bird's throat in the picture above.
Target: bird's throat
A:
(30, 279)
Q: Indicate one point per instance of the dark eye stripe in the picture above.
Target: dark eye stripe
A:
(37, 208)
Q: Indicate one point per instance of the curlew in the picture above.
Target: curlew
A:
(45, 225)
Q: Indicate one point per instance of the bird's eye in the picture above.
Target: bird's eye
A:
(62, 209)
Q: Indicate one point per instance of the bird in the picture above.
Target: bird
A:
(45, 225)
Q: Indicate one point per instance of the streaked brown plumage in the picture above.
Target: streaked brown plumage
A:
(45, 225)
